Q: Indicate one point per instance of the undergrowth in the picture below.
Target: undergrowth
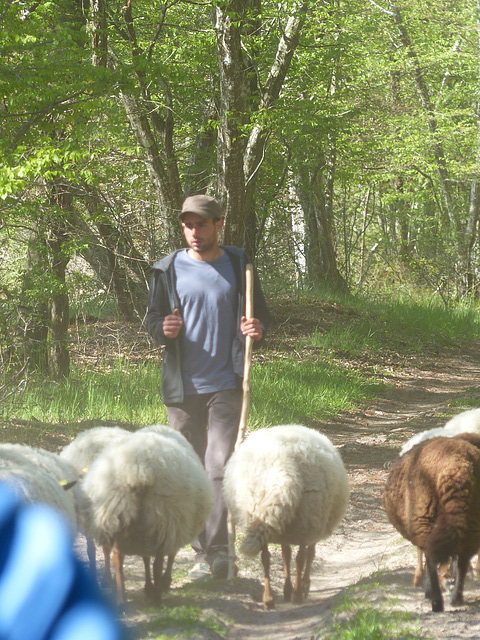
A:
(305, 372)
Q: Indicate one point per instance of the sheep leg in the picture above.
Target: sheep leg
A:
(92, 555)
(152, 588)
(297, 596)
(117, 561)
(166, 579)
(308, 569)
(268, 599)
(287, 560)
(419, 574)
(107, 570)
(149, 588)
(444, 575)
(462, 563)
(435, 593)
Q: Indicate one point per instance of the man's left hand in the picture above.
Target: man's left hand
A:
(252, 327)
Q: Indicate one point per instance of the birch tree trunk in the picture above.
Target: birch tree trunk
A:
(313, 190)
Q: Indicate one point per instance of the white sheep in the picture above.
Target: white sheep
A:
(32, 484)
(464, 422)
(86, 445)
(286, 484)
(81, 452)
(150, 496)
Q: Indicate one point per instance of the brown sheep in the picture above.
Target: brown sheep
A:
(432, 497)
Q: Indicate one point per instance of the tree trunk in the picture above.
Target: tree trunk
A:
(152, 130)
(314, 191)
(240, 159)
(32, 320)
(60, 196)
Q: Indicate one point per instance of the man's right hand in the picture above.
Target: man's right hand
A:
(172, 324)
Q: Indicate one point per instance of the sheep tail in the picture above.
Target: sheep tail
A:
(255, 539)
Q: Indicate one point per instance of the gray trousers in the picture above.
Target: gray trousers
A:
(210, 421)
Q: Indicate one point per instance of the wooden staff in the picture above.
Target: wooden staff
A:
(247, 368)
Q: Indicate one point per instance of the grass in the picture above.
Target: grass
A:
(125, 393)
(360, 615)
(289, 390)
(182, 622)
(320, 374)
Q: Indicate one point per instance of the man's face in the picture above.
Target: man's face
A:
(201, 234)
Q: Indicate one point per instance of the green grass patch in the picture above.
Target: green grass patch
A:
(357, 617)
(399, 326)
(182, 622)
(288, 390)
(125, 393)
(283, 391)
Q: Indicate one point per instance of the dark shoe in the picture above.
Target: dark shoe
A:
(219, 566)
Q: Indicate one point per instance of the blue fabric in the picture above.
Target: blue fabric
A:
(45, 592)
(208, 298)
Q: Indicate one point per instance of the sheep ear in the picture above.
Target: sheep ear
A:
(67, 485)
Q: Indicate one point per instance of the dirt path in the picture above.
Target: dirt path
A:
(365, 550)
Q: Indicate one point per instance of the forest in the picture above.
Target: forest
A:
(341, 137)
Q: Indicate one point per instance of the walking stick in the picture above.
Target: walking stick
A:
(247, 368)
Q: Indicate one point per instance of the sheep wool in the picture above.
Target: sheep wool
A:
(464, 422)
(165, 430)
(86, 446)
(61, 470)
(287, 485)
(431, 497)
(149, 494)
(33, 485)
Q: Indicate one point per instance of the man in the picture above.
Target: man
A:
(196, 309)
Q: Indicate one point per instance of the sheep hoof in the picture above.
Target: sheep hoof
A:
(437, 605)
(165, 584)
(456, 599)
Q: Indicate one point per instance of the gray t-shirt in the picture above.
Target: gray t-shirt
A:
(207, 292)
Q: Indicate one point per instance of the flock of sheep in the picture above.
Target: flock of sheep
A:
(146, 493)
